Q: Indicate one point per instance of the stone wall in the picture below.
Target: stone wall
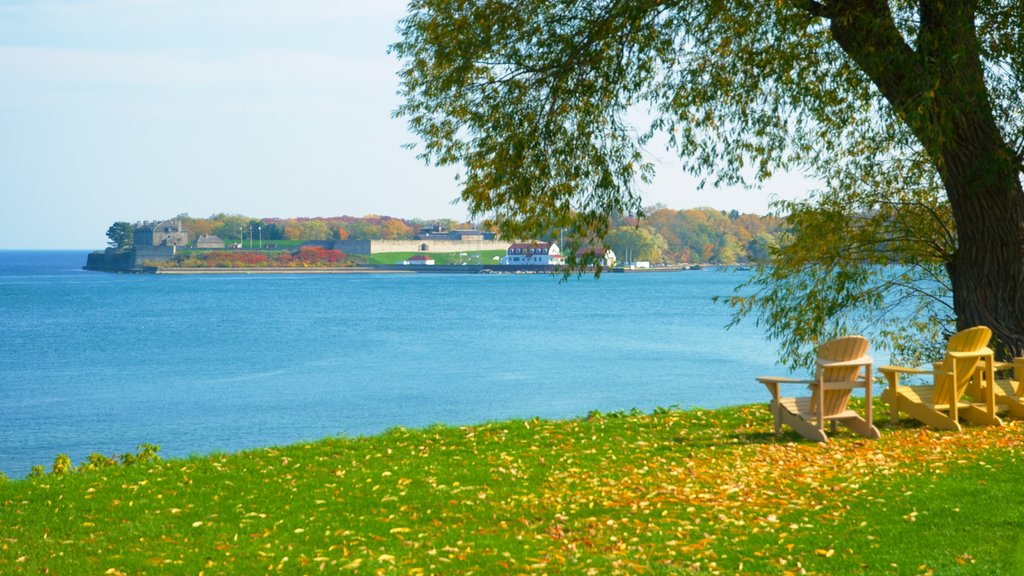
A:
(110, 260)
(153, 254)
(367, 247)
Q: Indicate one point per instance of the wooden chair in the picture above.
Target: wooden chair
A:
(941, 403)
(1008, 392)
(842, 366)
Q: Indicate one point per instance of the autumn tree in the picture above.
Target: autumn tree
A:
(230, 227)
(313, 230)
(120, 235)
(908, 113)
(634, 243)
(395, 229)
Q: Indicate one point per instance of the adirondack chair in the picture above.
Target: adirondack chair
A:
(842, 366)
(941, 403)
(1008, 391)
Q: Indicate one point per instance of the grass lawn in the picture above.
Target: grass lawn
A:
(673, 492)
(485, 257)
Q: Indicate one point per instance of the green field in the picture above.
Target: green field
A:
(440, 258)
(673, 492)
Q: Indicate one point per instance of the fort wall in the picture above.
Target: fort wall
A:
(153, 254)
(367, 247)
(110, 260)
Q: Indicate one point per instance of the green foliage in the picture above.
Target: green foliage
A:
(870, 261)
(147, 453)
(536, 102)
(705, 235)
(61, 465)
(231, 227)
(291, 231)
(533, 102)
(121, 235)
(636, 243)
(98, 461)
(313, 230)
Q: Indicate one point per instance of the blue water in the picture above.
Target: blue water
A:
(94, 362)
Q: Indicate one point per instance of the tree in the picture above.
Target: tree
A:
(633, 243)
(231, 227)
(313, 230)
(908, 113)
(121, 235)
(395, 229)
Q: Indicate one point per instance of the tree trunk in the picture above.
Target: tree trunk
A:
(939, 90)
(987, 271)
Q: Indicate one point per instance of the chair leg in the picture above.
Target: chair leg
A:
(803, 427)
(776, 409)
(931, 417)
(860, 426)
(980, 416)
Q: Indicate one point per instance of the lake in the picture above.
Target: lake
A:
(95, 362)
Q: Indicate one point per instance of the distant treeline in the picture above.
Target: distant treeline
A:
(230, 227)
(698, 235)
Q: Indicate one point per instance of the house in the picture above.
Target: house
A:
(533, 254)
(604, 257)
(418, 260)
(165, 233)
(209, 241)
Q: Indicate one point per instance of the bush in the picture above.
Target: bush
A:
(305, 256)
(62, 464)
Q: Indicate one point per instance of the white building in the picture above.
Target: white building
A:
(533, 254)
(418, 260)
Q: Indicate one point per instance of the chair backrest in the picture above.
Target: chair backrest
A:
(842, 349)
(972, 341)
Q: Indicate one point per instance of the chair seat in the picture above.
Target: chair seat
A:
(923, 395)
(803, 408)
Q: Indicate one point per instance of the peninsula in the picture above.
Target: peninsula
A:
(663, 239)
(165, 247)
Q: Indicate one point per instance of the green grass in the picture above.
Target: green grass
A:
(673, 492)
(440, 258)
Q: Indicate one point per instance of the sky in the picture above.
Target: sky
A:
(128, 110)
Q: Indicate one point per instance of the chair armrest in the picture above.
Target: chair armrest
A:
(1000, 366)
(904, 370)
(782, 380)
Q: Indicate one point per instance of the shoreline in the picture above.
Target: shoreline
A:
(379, 269)
(351, 270)
(375, 269)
